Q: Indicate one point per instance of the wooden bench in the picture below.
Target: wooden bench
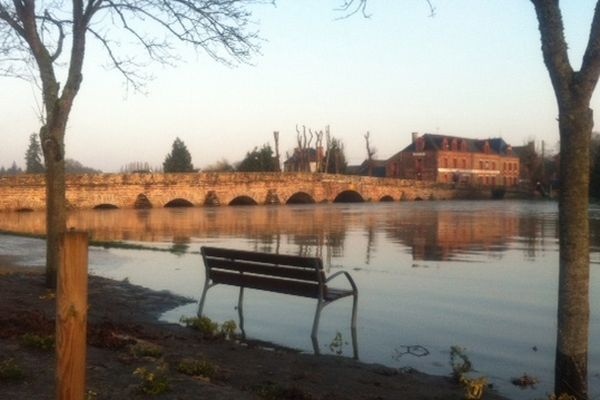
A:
(294, 275)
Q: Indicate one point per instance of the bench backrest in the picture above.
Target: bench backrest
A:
(300, 276)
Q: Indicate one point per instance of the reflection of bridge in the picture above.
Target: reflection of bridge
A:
(27, 192)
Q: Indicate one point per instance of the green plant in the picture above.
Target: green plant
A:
(192, 367)
(210, 329)
(273, 391)
(459, 362)
(563, 396)
(461, 365)
(525, 380)
(153, 382)
(228, 329)
(10, 371)
(204, 325)
(146, 349)
(38, 342)
(337, 344)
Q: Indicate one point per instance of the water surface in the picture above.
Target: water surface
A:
(480, 275)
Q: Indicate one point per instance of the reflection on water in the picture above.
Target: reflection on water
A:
(432, 231)
(431, 275)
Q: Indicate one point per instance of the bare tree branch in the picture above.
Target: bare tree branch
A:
(352, 7)
(590, 66)
(554, 46)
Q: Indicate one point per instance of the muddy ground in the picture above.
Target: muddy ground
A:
(125, 336)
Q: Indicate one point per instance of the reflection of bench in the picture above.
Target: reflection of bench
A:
(300, 276)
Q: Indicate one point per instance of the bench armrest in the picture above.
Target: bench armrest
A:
(350, 280)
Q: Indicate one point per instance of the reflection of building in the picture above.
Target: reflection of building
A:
(449, 159)
(444, 235)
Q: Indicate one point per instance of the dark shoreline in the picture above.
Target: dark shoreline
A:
(119, 309)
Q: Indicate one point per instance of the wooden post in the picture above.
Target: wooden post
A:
(71, 317)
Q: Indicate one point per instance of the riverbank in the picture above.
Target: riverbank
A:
(125, 336)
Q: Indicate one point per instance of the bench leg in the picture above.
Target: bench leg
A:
(315, 327)
(240, 308)
(353, 326)
(203, 298)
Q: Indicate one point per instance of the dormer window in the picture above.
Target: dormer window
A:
(445, 144)
(420, 144)
(486, 148)
(463, 145)
(454, 145)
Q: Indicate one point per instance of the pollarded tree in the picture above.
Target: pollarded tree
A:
(33, 156)
(179, 159)
(34, 36)
(573, 91)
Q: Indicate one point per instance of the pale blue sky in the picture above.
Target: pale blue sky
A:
(474, 70)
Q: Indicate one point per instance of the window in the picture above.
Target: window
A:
(480, 164)
(464, 163)
(455, 163)
(454, 145)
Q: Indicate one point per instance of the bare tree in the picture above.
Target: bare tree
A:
(573, 91)
(34, 36)
(370, 153)
(319, 150)
(276, 159)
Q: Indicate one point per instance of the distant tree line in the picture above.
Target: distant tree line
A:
(35, 165)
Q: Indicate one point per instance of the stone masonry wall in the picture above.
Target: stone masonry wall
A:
(27, 192)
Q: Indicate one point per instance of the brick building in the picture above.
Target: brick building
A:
(451, 159)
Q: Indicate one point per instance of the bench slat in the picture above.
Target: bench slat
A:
(307, 274)
(297, 288)
(268, 258)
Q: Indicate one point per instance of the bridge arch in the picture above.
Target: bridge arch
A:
(348, 196)
(179, 202)
(142, 202)
(211, 199)
(300, 198)
(386, 198)
(105, 206)
(243, 201)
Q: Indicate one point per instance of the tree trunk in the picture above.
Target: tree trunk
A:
(573, 296)
(56, 217)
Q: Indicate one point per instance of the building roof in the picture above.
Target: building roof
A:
(295, 158)
(377, 168)
(435, 142)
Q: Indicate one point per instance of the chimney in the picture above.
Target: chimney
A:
(415, 135)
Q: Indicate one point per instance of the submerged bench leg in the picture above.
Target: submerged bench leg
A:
(353, 326)
(203, 298)
(240, 308)
(315, 327)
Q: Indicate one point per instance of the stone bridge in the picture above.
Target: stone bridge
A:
(27, 192)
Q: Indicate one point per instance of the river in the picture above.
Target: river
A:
(480, 275)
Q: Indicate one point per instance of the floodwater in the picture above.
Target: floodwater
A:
(431, 275)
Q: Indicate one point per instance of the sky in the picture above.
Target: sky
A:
(475, 69)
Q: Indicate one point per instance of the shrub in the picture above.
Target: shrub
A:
(153, 383)
(10, 371)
